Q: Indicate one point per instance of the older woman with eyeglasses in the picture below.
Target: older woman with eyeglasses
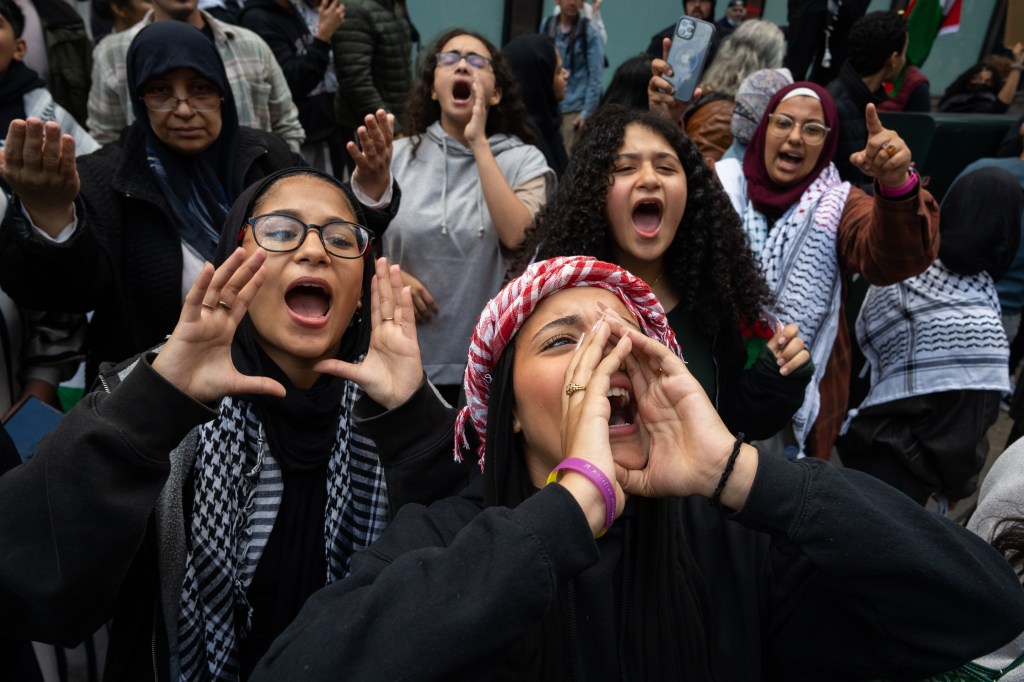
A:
(812, 231)
(125, 231)
(472, 182)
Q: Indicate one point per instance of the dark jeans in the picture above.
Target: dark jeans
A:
(935, 443)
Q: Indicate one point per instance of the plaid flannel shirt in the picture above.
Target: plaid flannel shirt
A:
(261, 93)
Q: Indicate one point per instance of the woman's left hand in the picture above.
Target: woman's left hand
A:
(476, 129)
(689, 443)
(885, 157)
(789, 349)
(373, 154)
(392, 370)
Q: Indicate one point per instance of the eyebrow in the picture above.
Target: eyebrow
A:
(576, 321)
(633, 155)
(809, 119)
(294, 213)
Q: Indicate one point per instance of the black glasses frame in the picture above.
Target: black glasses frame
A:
(251, 222)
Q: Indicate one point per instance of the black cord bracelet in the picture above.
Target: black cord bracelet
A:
(713, 501)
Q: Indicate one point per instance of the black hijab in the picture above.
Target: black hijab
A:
(198, 187)
(16, 83)
(981, 223)
(302, 425)
(532, 59)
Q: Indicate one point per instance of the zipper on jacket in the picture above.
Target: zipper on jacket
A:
(571, 602)
(156, 613)
(103, 382)
(627, 580)
(714, 361)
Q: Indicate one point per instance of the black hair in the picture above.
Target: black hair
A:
(629, 83)
(962, 81)
(103, 10)
(12, 13)
(509, 116)
(709, 263)
(1008, 539)
(873, 39)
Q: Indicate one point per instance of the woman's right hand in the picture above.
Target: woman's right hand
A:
(39, 165)
(392, 370)
(426, 306)
(585, 416)
(660, 91)
(197, 356)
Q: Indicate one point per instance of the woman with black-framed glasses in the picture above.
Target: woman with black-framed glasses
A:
(244, 480)
(126, 231)
(472, 181)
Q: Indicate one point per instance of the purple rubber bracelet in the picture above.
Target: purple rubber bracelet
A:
(597, 477)
(890, 192)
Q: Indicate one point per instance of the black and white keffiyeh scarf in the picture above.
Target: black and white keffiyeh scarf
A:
(801, 266)
(238, 489)
(938, 331)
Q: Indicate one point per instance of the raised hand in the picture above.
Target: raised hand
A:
(39, 165)
(660, 91)
(885, 157)
(689, 443)
(585, 416)
(373, 154)
(789, 349)
(476, 129)
(332, 15)
(422, 299)
(197, 356)
(392, 370)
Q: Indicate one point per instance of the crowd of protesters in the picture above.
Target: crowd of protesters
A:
(457, 368)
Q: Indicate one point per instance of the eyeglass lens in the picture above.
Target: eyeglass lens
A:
(276, 232)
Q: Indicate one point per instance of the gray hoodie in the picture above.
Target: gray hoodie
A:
(443, 236)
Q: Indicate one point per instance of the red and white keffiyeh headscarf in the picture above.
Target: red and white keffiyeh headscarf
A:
(506, 313)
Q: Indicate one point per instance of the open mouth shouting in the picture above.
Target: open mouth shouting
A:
(309, 301)
(462, 91)
(647, 215)
(623, 410)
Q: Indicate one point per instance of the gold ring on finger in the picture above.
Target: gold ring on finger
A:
(890, 149)
(573, 387)
(206, 305)
(224, 304)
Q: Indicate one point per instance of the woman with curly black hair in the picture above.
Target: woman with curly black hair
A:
(638, 193)
(468, 133)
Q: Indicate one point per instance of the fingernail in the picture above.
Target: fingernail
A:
(580, 341)
(784, 371)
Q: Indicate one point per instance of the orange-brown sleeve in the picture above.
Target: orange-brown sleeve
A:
(888, 240)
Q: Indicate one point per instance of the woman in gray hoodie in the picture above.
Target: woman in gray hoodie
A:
(471, 185)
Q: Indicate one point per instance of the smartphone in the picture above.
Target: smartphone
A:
(690, 45)
(29, 423)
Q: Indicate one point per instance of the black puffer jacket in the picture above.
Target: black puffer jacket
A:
(851, 97)
(371, 55)
(304, 59)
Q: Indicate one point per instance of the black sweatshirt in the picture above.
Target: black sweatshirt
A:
(824, 574)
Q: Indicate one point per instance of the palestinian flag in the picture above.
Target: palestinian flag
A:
(927, 19)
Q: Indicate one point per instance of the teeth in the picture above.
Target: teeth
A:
(619, 393)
